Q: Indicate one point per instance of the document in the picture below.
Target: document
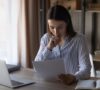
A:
(88, 85)
(49, 69)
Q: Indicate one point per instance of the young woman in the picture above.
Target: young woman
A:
(61, 41)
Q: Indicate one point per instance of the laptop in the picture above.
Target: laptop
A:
(6, 80)
(49, 69)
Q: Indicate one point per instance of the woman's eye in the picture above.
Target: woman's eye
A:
(51, 27)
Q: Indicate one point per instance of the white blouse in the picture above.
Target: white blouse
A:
(74, 52)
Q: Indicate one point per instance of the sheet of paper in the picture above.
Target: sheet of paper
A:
(97, 84)
(86, 84)
(49, 69)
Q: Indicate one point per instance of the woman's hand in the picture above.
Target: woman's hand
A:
(53, 42)
(67, 79)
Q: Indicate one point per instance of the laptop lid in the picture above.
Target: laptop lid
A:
(49, 69)
(4, 75)
(6, 80)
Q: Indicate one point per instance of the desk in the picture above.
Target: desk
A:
(40, 83)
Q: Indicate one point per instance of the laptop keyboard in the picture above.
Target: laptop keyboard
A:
(14, 83)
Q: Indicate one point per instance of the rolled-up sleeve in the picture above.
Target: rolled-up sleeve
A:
(43, 52)
(84, 61)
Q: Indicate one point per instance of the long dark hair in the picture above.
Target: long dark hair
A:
(59, 12)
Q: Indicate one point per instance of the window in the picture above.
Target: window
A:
(9, 14)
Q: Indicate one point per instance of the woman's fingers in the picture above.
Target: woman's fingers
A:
(55, 40)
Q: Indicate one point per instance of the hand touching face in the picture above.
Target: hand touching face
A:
(58, 30)
(53, 42)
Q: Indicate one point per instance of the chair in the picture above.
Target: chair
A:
(93, 72)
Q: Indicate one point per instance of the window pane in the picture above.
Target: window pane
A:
(4, 16)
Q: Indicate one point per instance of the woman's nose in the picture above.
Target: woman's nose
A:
(56, 32)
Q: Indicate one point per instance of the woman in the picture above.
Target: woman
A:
(61, 41)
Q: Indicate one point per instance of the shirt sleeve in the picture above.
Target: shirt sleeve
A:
(43, 52)
(84, 61)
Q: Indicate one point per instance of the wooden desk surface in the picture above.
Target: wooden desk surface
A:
(40, 84)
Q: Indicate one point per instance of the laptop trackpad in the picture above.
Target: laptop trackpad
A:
(15, 83)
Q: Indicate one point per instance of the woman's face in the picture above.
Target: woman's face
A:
(57, 27)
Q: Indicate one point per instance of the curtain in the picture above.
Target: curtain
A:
(13, 34)
(9, 16)
(19, 31)
(32, 32)
(32, 16)
(33, 21)
(22, 51)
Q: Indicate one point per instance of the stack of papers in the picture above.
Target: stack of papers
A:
(88, 85)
